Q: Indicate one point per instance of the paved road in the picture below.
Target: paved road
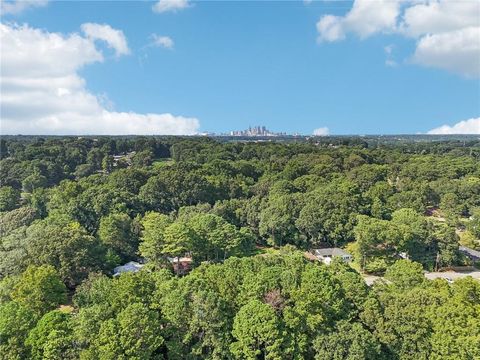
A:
(370, 279)
(452, 275)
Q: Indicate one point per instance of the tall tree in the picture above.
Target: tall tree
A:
(66, 246)
(134, 334)
(9, 198)
(117, 232)
(40, 289)
(257, 332)
(152, 239)
(330, 213)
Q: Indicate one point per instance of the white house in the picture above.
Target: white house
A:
(131, 266)
(326, 255)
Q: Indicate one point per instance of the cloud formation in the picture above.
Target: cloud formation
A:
(115, 39)
(323, 131)
(42, 92)
(456, 51)
(470, 126)
(163, 6)
(18, 6)
(365, 18)
(162, 41)
(447, 31)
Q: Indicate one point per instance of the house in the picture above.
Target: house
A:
(326, 255)
(473, 255)
(131, 266)
(126, 158)
(181, 265)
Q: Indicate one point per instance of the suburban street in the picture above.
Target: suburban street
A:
(453, 275)
(448, 275)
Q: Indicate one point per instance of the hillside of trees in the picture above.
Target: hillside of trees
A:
(72, 209)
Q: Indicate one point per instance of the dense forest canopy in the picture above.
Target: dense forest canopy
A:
(245, 213)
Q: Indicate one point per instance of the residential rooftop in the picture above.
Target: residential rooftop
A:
(331, 252)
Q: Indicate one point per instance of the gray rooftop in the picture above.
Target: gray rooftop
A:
(331, 252)
(469, 251)
(131, 266)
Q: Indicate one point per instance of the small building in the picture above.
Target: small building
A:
(473, 255)
(131, 266)
(181, 265)
(123, 158)
(326, 255)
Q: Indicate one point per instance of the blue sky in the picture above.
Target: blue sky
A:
(234, 64)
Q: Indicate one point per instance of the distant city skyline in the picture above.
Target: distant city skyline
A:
(189, 67)
(258, 130)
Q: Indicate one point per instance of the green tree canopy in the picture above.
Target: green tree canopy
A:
(40, 289)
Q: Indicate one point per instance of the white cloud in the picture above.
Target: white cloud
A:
(162, 41)
(440, 16)
(447, 31)
(115, 39)
(29, 54)
(471, 126)
(42, 92)
(104, 122)
(456, 51)
(323, 131)
(364, 19)
(170, 5)
(17, 6)
(330, 28)
(368, 17)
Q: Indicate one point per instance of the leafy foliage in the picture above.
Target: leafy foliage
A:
(73, 208)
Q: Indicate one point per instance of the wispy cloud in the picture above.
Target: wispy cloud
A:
(389, 61)
(115, 39)
(161, 41)
(163, 6)
(18, 6)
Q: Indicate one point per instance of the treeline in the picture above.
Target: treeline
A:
(31, 162)
(263, 307)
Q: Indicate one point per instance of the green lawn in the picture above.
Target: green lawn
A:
(159, 163)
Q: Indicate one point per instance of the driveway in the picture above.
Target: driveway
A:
(452, 275)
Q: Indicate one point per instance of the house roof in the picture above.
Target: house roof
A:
(469, 251)
(131, 266)
(185, 259)
(331, 252)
